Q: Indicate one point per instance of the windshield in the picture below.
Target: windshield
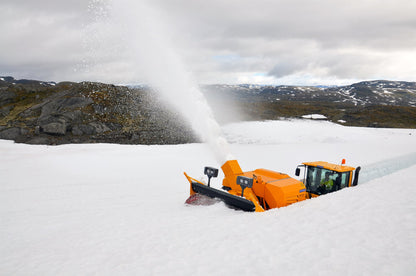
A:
(321, 181)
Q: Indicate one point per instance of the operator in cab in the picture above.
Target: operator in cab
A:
(326, 184)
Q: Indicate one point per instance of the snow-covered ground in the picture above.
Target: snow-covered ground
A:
(119, 210)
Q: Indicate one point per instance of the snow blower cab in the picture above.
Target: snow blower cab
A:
(323, 177)
(262, 189)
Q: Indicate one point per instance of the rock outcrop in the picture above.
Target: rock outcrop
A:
(37, 112)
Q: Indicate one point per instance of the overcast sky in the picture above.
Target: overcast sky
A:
(305, 42)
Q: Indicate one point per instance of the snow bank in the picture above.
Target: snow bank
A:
(117, 209)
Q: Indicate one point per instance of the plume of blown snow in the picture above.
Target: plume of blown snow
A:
(137, 35)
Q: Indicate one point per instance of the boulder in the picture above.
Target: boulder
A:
(76, 130)
(87, 129)
(39, 140)
(6, 97)
(10, 133)
(54, 128)
(61, 104)
(5, 111)
(74, 115)
(99, 127)
(135, 138)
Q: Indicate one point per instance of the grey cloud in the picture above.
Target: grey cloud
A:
(329, 38)
(324, 20)
(42, 39)
(285, 68)
(317, 34)
(47, 5)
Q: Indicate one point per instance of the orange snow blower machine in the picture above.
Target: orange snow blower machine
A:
(262, 189)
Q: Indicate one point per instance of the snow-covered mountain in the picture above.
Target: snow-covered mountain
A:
(379, 92)
(371, 103)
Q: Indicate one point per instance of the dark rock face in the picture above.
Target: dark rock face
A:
(36, 112)
(7, 96)
(10, 133)
(5, 111)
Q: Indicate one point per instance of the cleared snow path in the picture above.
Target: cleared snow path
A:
(386, 167)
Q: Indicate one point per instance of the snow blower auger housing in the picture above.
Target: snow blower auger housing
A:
(262, 189)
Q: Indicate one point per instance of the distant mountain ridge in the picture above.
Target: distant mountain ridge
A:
(379, 103)
(378, 92)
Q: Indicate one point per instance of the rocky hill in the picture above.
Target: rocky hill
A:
(38, 112)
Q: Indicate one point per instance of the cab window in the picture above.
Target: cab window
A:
(316, 177)
(345, 178)
(312, 179)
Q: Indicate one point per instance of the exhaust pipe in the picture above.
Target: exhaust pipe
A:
(357, 172)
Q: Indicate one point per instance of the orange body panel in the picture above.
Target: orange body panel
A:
(231, 170)
(284, 192)
(190, 179)
(270, 189)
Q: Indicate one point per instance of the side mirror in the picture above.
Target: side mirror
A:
(297, 172)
